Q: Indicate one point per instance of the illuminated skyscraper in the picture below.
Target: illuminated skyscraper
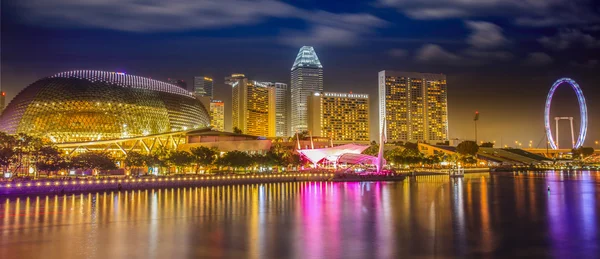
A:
(2, 101)
(203, 86)
(307, 77)
(217, 115)
(341, 116)
(414, 105)
(251, 112)
(278, 104)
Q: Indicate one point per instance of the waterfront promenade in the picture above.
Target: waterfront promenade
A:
(56, 186)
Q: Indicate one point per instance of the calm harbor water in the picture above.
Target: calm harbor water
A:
(503, 215)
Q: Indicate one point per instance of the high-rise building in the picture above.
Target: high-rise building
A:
(307, 78)
(251, 112)
(414, 105)
(340, 116)
(217, 115)
(178, 82)
(278, 106)
(203, 86)
(2, 101)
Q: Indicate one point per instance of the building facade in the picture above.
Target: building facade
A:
(251, 109)
(414, 106)
(217, 115)
(89, 105)
(340, 116)
(278, 108)
(203, 86)
(2, 101)
(306, 78)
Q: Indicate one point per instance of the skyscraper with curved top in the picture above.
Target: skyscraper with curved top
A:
(307, 77)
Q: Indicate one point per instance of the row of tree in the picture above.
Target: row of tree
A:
(407, 153)
(19, 153)
(205, 158)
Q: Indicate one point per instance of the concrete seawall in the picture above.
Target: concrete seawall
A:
(41, 187)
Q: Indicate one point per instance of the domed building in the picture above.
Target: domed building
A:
(87, 105)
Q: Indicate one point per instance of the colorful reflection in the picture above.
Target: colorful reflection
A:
(480, 215)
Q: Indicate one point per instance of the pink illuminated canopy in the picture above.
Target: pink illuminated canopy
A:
(332, 153)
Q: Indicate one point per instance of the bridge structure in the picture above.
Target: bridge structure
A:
(553, 153)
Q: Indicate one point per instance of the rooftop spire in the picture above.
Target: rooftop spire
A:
(307, 58)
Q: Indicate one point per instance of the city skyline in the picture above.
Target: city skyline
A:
(497, 59)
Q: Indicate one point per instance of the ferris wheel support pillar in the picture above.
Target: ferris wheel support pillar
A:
(572, 134)
(556, 119)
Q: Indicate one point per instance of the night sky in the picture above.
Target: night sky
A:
(500, 56)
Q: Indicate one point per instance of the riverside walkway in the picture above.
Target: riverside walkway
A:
(57, 186)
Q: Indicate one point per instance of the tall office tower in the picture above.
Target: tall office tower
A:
(203, 86)
(250, 105)
(340, 116)
(414, 105)
(217, 115)
(2, 101)
(307, 77)
(278, 106)
(178, 82)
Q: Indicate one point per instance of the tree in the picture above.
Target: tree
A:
(410, 145)
(372, 150)
(94, 161)
(235, 159)
(49, 159)
(582, 152)
(237, 130)
(7, 153)
(467, 147)
(203, 156)
(487, 144)
(25, 148)
(180, 159)
(136, 160)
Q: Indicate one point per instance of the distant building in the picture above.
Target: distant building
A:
(217, 115)
(178, 82)
(251, 112)
(414, 105)
(278, 108)
(340, 116)
(2, 101)
(203, 86)
(306, 78)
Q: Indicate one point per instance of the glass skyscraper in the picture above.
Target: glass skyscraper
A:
(307, 78)
(414, 106)
(203, 86)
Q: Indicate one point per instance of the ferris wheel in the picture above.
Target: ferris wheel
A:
(582, 111)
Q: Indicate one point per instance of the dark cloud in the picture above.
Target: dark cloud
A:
(566, 38)
(398, 53)
(593, 63)
(485, 35)
(431, 53)
(521, 12)
(178, 15)
(538, 59)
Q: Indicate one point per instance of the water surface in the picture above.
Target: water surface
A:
(504, 215)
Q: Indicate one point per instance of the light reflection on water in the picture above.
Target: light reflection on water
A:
(505, 214)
